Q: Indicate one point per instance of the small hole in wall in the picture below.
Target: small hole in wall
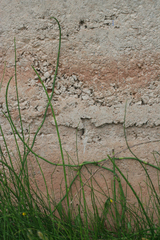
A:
(82, 132)
(81, 22)
(142, 102)
(67, 35)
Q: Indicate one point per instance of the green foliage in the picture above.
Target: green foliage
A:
(27, 213)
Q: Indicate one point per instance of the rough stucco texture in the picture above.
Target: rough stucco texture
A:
(110, 53)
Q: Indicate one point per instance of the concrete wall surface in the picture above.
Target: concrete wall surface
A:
(110, 53)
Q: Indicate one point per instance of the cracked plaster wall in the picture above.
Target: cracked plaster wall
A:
(110, 53)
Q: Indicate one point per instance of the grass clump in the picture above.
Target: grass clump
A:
(27, 213)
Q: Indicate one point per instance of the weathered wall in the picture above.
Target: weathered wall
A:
(110, 53)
